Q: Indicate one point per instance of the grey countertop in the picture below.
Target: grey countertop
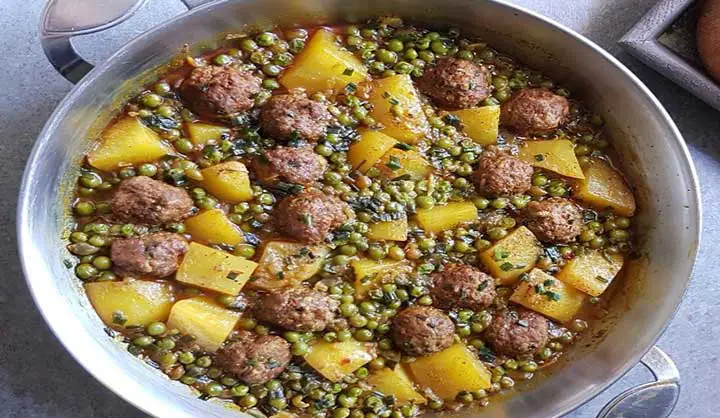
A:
(38, 379)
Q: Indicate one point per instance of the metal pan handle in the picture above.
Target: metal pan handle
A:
(655, 399)
(63, 19)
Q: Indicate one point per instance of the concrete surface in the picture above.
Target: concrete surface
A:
(39, 380)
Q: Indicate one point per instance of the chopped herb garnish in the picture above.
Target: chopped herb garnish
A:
(306, 218)
(549, 283)
(393, 164)
(500, 254)
(348, 72)
(403, 146)
(350, 88)
(394, 101)
(232, 275)
(304, 251)
(280, 275)
(523, 323)
(602, 279)
(68, 264)
(452, 120)
(539, 157)
(524, 277)
(385, 95)
(119, 318)
(483, 285)
(553, 296)
(539, 289)
(507, 266)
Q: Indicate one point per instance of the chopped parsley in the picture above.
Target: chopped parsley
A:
(306, 218)
(482, 286)
(452, 120)
(393, 164)
(232, 275)
(602, 279)
(507, 266)
(350, 88)
(539, 157)
(403, 146)
(118, 317)
(500, 254)
(394, 101)
(348, 72)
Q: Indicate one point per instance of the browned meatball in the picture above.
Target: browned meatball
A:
(514, 333)
(534, 112)
(462, 286)
(310, 216)
(213, 91)
(297, 309)
(455, 84)
(555, 219)
(255, 359)
(299, 165)
(157, 254)
(500, 173)
(144, 200)
(422, 330)
(294, 116)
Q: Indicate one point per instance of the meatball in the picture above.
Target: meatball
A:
(422, 330)
(294, 116)
(214, 91)
(515, 333)
(310, 216)
(157, 254)
(462, 286)
(294, 165)
(556, 219)
(534, 112)
(297, 309)
(500, 173)
(455, 84)
(255, 359)
(144, 200)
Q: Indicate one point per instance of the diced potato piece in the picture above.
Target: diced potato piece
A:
(549, 296)
(323, 65)
(481, 124)
(397, 106)
(557, 155)
(228, 181)
(368, 150)
(130, 302)
(451, 371)
(512, 256)
(370, 272)
(397, 163)
(202, 133)
(214, 269)
(396, 230)
(127, 142)
(286, 264)
(591, 272)
(202, 318)
(604, 187)
(213, 227)
(440, 218)
(337, 360)
(395, 382)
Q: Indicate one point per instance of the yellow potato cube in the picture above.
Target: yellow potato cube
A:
(395, 382)
(214, 269)
(512, 256)
(591, 272)
(549, 296)
(205, 320)
(397, 163)
(213, 227)
(285, 264)
(369, 273)
(397, 106)
(481, 124)
(127, 142)
(440, 218)
(450, 372)
(605, 188)
(368, 150)
(228, 181)
(202, 133)
(323, 65)
(337, 360)
(556, 155)
(396, 230)
(130, 302)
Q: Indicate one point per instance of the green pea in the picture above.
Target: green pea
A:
(376, 252)
(84, 208)
(102, 262)
(266, 39)
(439, 47)
(426, 244)
(465, 54)
(156, 328)
(272, 70)
(186, 357)
(143, 341)
(152, 100)
(292, 336)
(161, 88)
(425, 202)
(240, 390)
(619, 235)
(425, 300)
(90, 180)
(148, 170)
(183, 145)
(497, 233)
(270, 84)
(300, 348)
(85, 271)
(622, 222)
(248, 401)
(78, 236)
(245, 251)
(410, 54)
(426, 56)
(296, 45)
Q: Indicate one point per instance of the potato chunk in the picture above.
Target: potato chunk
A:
(605, 188)
(228, 181)
(369, 273)
(556, 155)
(549, 296)
(213, 227)
(440, 218)
(481, 124)
(214, 269)
(397, 106)
(286, 263)
(337, 360)
(202, 318)
(395, 382)
(591, 272)
(512, 256)
(396, 230)
(451, 371)
(130, 302)
(409, 164)
(202, 133)
(323, 65)
(127, 142)
(368, 150)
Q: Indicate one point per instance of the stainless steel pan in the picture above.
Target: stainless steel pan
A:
(652, 150)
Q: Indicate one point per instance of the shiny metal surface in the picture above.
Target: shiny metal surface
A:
(655, 157)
